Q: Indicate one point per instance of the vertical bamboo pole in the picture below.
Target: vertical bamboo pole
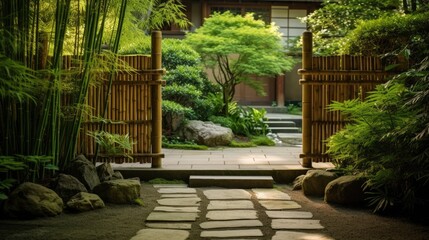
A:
(307, 55)
(156, 100)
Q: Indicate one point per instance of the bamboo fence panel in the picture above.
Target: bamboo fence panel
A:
(328, 79)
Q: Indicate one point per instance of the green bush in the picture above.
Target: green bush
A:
(387, 142)
(389, 34)
(185, 95)
(192, 75)
(173, 115)
(177, 53)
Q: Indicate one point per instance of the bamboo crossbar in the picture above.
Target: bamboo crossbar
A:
(339, 82)
(160, 82)
(305, 72)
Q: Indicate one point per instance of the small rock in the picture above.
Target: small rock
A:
(345, 190)
(105, 172)
(66, 186)
(84, 201)
(33, 200)
(315, 181)
(119, 190)
(82, 169)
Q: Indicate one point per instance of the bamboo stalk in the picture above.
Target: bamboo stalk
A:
(307, 52)
(156, 100)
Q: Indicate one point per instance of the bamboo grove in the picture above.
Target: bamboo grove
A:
(38, 127)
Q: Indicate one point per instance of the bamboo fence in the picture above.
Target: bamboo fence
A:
(328, 79)
(134, 108)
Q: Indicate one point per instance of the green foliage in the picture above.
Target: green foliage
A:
(335, 19)
(386, 141)
(236, 48)
(184, 74)
(389, 34)
(139, 201)
(243, 121)
(294, 109)
(173, 115)
(262, 141)
(184, 95)
(239, 144)
(176, 53)
(112, 143)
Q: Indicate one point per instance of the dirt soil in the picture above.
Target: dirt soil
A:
(117, 222)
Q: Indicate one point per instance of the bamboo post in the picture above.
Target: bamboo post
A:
(307, 55)
(156, 136)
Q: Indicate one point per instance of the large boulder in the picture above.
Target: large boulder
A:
(315, 181)
(84, 201)
(82, 169)
(31, 200)
(66, 186)
(297, 183)
(345, 190)
(119, 190)
(207, 133)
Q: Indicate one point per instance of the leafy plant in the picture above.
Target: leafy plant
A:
(386, 141)
(113, 144)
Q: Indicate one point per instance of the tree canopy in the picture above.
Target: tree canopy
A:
(236, 48)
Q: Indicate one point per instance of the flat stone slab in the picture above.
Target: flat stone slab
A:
(289, 214)
(161, 234)
(170, 185)
(171, 217)
(227, 194)
(296, 224)
(234, 204)
(231, 224)
(290, 235)
(232, 215)
(179, 195)
(232, 233)
(170, 225)
(279, 205)
(191, 202)
(176, 190)
(176, 209)
(270, 194)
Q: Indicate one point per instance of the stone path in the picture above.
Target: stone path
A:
(228, 214)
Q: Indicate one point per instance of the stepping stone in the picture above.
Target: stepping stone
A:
(289, 214)
(231, 181)
(231, 215)
(282, 235)
(179, 195)
(231, 224)
(171, 217)
(161, 234)
(176, 209)
(191, 202)
(170, 185)
(169, 225)
(279, 205)
(232, 233)
(270, 194)
(227, 194)
(296, 224)
(235, 204)
(177, 190)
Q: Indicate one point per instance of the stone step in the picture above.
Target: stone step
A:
(285, 129)
(231, 181)
(290, 138)
(280, 123)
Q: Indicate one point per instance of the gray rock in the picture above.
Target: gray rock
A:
(118, 175)
(315, 181)
(207, 133)
(297, 183)
(84, 201)
(119, 190)
(105, 172)
(345, 190)
(84, 171)
(32, 200)
(66, 186)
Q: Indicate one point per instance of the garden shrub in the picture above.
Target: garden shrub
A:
(387, 142)
(173, 115)
(177, 53)
(183, 74)
(389, 34)
(185, 95)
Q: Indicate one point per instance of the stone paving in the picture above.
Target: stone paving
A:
(231, 214)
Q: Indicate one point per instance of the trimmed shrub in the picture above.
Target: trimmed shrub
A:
(176, 53)
(182, 75)
(185, 95)
(173, 115)
(389, 34)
